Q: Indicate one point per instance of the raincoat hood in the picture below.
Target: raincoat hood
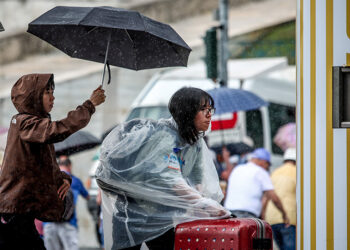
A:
(27, 94)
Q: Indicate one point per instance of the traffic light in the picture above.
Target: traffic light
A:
(211, 55)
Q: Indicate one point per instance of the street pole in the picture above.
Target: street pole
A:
(223, 50)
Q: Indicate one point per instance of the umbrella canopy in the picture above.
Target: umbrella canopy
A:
(120, 37)
(77, 142)
(239, 148)
(234, 148)
(286, 136)
(1, 27)
(229, 100)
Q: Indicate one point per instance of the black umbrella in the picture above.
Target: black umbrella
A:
(113, 36)
(234, 148)
(77, 142)
(239, 148)
(1, 27)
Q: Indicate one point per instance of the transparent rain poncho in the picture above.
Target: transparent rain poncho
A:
(152, 181)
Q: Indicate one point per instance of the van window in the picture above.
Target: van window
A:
(255, 127)
(154, 113)
(279, 116)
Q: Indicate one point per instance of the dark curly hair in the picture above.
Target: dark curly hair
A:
(184, 106)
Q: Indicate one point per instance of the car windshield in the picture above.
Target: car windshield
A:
(154, 113)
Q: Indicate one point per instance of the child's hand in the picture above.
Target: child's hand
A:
(98, 96)
(62, 191)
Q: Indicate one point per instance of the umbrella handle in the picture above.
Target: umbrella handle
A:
(106, 63)
(109, 73)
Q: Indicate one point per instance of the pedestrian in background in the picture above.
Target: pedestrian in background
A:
(39, 227)
(31, 183)
(64, 235)
(247, 185)
(284, 180)
(229, 161)
(100, 222)
(241, 149)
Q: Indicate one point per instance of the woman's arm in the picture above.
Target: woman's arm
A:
(194, 198)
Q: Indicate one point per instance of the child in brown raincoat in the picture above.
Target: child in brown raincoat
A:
(31, 183)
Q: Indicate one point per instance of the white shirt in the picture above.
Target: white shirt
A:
(245, 188)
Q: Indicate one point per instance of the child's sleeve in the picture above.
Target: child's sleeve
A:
(66, 176)
(43, 130)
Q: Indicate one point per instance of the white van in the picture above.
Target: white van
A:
(270, 78)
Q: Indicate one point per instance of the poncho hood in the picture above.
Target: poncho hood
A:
(27, 94)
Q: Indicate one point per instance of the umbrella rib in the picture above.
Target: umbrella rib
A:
(87, 14)
(129, 37)
(94, 28)
(133, 46)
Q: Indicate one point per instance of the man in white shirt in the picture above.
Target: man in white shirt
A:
(248, 183)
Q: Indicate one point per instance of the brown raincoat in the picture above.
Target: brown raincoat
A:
(29, 175)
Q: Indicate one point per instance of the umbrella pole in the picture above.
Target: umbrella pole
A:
(106, 56)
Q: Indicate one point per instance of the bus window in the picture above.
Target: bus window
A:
(154, 113)
(255, 127)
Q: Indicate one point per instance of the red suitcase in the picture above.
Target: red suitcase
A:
(227, 234)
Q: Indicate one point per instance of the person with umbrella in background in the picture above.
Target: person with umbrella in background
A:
(232, 155)
(76, 143)
(64, 235)
(31, 183)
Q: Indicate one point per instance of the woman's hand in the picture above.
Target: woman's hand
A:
(218, 211)
(62, 191)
